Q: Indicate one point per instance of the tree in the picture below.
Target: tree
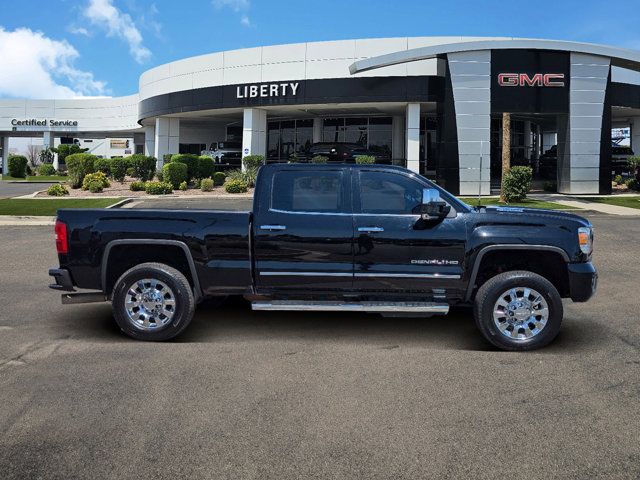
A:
(65, 150)
(46, 155)
(506, 151)
(33, 154)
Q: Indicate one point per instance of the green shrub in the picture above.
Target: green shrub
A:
(29, 171)
(197, 182)
(175, 173)
(319, 159)
(158, 188)
(191, 161)
(18, 166)
(102, 165)
(137, 186)
(160, 175)
(236, 186)
(206, 184)
(166, 158)
(130, 171)
(219, 178)
(249, 176)
(46, 169)
(183, 186)
(253, 161)
(236, 174)
(632, 184)
(66, 150)
(144, 167)
(617, 180)
(634, 164)
(79, 165)
(118, 168)
(57, 190)
(94, 186)
(517, 183)
(94, 179)
(365, 159)
(205, 166)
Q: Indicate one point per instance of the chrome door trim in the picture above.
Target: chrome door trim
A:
(410, 275)
(273, 227)
(370, 229)
(306, 274)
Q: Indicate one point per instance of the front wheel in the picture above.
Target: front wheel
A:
(153, 301)
(518, 310)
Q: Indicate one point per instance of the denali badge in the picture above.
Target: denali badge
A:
(434, 262)
(537, 80)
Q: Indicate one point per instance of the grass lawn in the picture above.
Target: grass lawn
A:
(38, 178)
(49, 207)
(527, 202)
(631, 202)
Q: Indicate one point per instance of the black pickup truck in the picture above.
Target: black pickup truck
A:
(338, 237)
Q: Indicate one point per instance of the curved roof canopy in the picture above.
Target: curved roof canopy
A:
(620, 57)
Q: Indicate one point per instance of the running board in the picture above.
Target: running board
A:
(328, 306)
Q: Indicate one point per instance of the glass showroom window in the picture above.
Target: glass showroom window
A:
(286, 137)
(374, 133)
(380, 135)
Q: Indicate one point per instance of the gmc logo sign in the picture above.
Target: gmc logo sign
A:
(537, 80)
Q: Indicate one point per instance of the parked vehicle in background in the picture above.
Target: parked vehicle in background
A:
(354, 238)
(548, 164)
(227, 153)
(341, 152)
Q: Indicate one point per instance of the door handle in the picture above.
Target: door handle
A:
(273, 227)
(370, 229)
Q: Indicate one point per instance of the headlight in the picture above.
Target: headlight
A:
(585, 239)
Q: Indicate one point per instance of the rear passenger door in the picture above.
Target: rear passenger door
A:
(303, 231)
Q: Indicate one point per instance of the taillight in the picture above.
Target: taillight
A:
(62, 241)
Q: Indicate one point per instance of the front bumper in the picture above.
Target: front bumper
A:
(63, 280)
(583, 281)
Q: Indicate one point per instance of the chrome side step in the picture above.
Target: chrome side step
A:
(329, 306)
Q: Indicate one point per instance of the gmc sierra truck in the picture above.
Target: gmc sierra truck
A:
(333, 237)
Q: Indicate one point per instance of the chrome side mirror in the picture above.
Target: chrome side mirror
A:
(432, 206)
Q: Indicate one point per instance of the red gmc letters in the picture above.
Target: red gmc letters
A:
(536, 80)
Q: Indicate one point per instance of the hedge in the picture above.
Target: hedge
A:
(517, 183)
(95, 180)
(18, 166)
(219, 178)
(175, 173)
(78, 166)
(102, 165)
(191, 161)
(236, 186)
(57, 190)
(143, 167)
(365, 159)
(46, 169)
(205, 167)
(158, 188)
(253, 161)
(319, 159)
(137, 186)
(119, 167)
(206, 185)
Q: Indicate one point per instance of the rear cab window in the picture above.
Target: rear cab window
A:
(310, 191)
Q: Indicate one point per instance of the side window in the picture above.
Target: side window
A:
(383, 192)
(299, 191)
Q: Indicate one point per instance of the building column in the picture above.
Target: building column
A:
(166, 138)
(397, 138)
(5, 155)
(254, 132)
(317, 130)
(412, 136)
(579, 163)
(150, 141)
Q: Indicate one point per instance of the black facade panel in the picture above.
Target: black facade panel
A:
(529, 99)
(308, 92)
(624, 94)
(448, 163)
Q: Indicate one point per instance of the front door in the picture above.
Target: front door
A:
(303, 233)
(391, 251)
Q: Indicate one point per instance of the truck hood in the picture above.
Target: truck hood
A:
(537, 214)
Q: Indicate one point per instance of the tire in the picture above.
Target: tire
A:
(523, 325)
(171, 303)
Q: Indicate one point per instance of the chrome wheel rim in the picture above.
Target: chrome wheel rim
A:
(520, 313)
(150, 304)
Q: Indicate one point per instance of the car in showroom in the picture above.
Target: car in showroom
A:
(227, 153)
(341, 152)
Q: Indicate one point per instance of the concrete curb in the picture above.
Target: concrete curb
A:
(15, 220)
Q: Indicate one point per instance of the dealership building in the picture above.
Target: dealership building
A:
(432, 104)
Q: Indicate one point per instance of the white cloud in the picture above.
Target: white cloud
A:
(238, 6)
(103, 14)
(35, 66)
(78, 30)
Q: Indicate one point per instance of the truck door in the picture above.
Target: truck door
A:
(390, 253)
(303, 231)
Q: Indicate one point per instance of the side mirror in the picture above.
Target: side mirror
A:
(432, 206)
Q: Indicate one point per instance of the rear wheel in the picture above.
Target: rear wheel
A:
(153, 301)
(518, 310)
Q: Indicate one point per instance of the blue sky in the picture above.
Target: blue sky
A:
(65, 48)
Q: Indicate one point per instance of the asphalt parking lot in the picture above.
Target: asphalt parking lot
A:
(13, 189)
(290, 395)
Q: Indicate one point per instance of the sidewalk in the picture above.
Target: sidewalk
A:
(582, 202)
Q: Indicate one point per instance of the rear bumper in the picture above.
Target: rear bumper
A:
(62, 278)
(583, 281)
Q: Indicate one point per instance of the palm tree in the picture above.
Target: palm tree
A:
(506, 150)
